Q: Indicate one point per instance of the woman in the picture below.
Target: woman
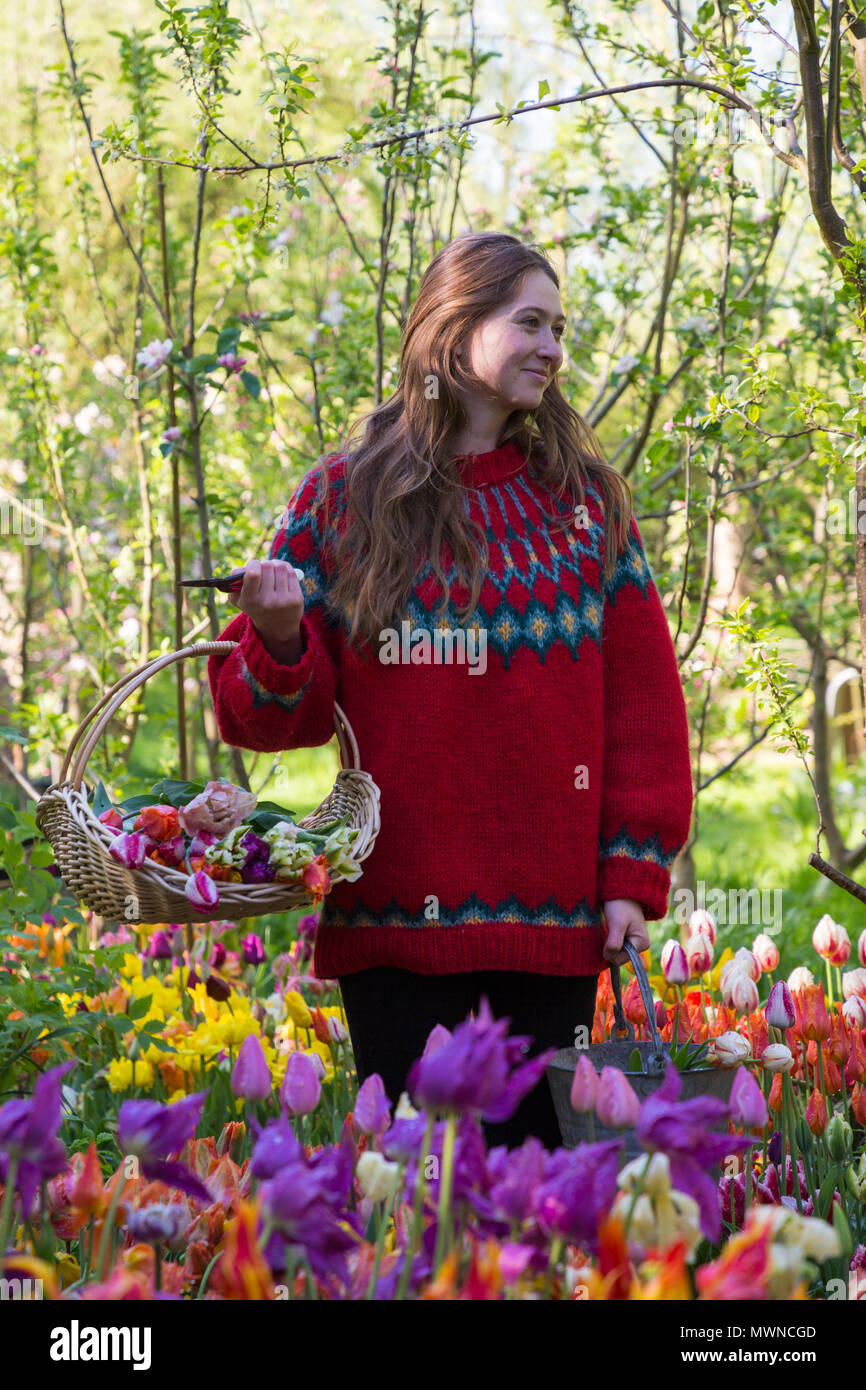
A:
(529, 736)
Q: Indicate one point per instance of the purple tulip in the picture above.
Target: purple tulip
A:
(217, 955)
(28, 1135)
(301, 1087)
(253, 949)
(251, 1075)
(275, 1146)
(150, 1131)
(477, 1068)
(372, 1108)
(572, 1203)
(201, 890)
(679, 1129)
(160, 946)
(748, 1106)
(161, 1223)
(305, 1205)
(774, 1148)
(779, 1008)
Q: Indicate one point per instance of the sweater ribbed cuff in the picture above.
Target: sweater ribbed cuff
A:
(647, 884)
(272, 675)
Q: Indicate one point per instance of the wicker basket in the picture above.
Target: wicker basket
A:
(155, 892)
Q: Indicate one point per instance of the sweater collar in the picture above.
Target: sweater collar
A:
(495, 466)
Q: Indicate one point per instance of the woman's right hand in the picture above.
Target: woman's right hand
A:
(271, 598)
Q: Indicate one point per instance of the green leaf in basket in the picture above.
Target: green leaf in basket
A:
(101, 800)
(635, 1061)
(174, 793)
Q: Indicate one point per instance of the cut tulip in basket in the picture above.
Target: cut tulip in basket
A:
(193, 852)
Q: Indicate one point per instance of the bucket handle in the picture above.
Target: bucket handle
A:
(657, 1060)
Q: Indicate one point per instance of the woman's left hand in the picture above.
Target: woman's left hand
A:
(624, 918)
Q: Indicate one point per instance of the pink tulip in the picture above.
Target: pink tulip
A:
(742, 992)
(251, 1076)
(765, 951)
(748, 1107)
(584, 1087)
(853, 984)
(831, 940)
(616, 1104)
(675, 967)
(699, 953)
(702, 923)
(779, 1008)
(201, 890)
(861, 948)
(747, 961)
(130, 848)
(301, 1087)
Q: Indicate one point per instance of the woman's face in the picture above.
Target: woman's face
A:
(517, 350)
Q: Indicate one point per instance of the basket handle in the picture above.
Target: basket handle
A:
(122, 689)
(657, 1059)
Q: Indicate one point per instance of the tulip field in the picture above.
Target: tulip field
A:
(187, 1124)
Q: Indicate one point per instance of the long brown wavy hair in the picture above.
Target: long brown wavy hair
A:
(404, 491)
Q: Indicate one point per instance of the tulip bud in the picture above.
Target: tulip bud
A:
(854, 1012)
(728, 1049)
(699, 953)
(854, 984)
(704, 923)
(779, 1008)
(584, 1086)
(251, 1076)
(301, 1086)
(159, 947)
(743, 993)
(201, 890)
(861, 948)
(839, 1137)
(376, 1175)
(856, 1176)
(661, 1014)
(777, 1058)
(252, 949)
(616, 1104)
(765, 951)
(816, 1112)
(747, 1104)
(747, 961)
(675, 967)
(831, 941)
(775, 1099)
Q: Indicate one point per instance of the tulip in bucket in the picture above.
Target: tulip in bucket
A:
(696, 1081)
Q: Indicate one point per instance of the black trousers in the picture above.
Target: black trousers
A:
(390, 1013)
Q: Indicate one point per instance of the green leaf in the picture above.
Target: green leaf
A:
(252, 384)
(543, 88)
(635, 1061)
(227, 340)
(139, 1007)
(101, 800)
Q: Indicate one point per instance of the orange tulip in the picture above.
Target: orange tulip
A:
(839, 1044)
(316, 878)
(613, 1261)
(858, 1104)
(664, 1275)
(742, 1270)
(632, 1003)
(816, 1112)
(159, 822)
(242, 1271)
(88, 1194)
(855, 1067)
(774, 1100)
(813, 1021)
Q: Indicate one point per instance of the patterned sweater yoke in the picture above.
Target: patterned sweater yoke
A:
(533, 759)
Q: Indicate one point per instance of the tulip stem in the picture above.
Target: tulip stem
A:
(6, 1213)
(638, 1189)
(383, 1229)
(555, 1248)
(445, 1183)
(417, 1209)
(107, 1241)
(789, 1108)
(829, 980)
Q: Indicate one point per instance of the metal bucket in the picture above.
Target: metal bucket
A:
(701, 1081)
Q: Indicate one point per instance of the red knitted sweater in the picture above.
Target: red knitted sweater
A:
(517, 797)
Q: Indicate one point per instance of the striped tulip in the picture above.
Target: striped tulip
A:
(861, 948)
(800, 977)
(855, 1067)
(702, 923)
(831, 941)
(699, 953)
(747, 961)
(854, 984)
(130, 849)
(675, 967)
(728, 1049)
(740, 992)
(779, 1008)
(201, 890)
(854, 1012)
(765, 951)
(777, 1057)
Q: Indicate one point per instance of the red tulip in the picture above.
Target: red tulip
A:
(839, 1044)
(813, 1021)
